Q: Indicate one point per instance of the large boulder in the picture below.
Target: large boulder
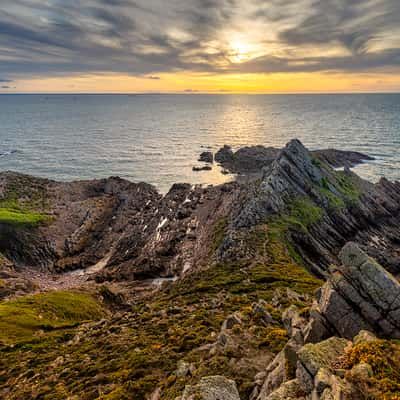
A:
(212, 388)
(361, 295)
(290, 390)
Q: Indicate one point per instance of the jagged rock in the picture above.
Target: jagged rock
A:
(230, 322)
(313, 357)
(260, 312)
(294, 296)
(156, 395)
(280, 369)
(294, 323)
(224, 155)
(361, 295)
(206, 156)
(212, 388)
(253, 159)
(290, 390)
(317, 328)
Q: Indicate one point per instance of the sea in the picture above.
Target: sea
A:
(157, 138)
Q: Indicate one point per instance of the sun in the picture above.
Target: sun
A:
(241, 49)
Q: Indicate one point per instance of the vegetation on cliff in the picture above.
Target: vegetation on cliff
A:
(133, 353)
(384, 358)
(23, 202)
(29, 318)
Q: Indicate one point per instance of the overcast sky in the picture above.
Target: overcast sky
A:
(43, 41)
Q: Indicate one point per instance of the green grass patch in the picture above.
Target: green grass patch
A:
(25, 205)
(305, 212)
(348, 186)
(22, 319)
(20, 217)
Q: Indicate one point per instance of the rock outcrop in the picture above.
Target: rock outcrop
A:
(237, 299)
(252, 159)
(358, 303)
(359, 295)
(325, 209)
(212, 388)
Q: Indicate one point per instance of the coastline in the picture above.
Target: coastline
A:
(216, 269)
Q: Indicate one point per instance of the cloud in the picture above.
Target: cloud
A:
(149, 37)
(153, 78)
(352, 24)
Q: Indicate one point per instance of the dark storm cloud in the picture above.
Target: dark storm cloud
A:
(353, 24)
(148, 37)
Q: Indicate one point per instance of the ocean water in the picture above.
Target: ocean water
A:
(157, 138)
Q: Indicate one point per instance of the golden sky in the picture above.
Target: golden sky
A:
(199, 46)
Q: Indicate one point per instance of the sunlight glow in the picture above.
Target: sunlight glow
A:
(242, 50)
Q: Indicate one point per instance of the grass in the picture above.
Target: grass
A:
(16, 217)
(218, 234)
(13, 212)
(25, 318)
(129, 357)
(24, 202)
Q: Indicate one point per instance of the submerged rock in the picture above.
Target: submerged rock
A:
(202, 168)
(207, 156)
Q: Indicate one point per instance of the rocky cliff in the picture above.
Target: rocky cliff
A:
(206, 292)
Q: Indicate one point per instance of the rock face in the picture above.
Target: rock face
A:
(359, 302)
(361, 295)
(318, 374)
(128, 229)
(212, 388)
(334, 206)
(253, 159)
(247, 159)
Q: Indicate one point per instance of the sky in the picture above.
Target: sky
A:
(199, 46)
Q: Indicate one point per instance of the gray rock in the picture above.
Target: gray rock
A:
(290, 390)
(294, 323)
(361, 295)
(224, 155)
(317, 329)
(212, 388)
(281, 369)
(323, 354)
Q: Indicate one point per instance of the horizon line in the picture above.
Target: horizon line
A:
(188, 93)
